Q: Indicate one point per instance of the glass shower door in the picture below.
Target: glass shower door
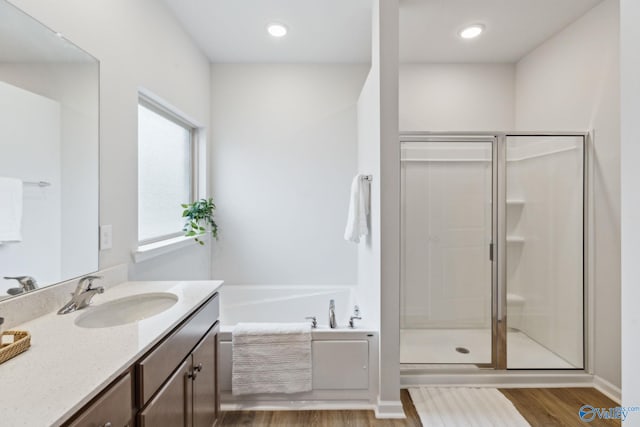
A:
(544, 251)
(447, 272)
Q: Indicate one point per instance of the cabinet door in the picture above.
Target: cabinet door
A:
(113, 408)
(205, 390)
(169, 407)
(352, 373)
(158, 364)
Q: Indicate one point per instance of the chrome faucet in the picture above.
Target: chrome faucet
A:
(314, 321)
(81, 298)
(332, 314)
(356, 315)
(27, 283)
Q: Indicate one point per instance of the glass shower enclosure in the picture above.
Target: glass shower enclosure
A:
(493, 250)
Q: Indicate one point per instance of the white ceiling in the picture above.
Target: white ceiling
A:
(319, 30)
(339, 31)
(428, 28)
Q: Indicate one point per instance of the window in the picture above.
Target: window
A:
(166, 172)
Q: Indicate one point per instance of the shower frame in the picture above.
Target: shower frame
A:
(498, 243)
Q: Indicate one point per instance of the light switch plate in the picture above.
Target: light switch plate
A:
(106, 237)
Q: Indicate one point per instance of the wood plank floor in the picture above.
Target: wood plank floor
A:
(546, 407)
(541, 407)
(319, 418)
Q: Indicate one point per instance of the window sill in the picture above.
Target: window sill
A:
(152, 250)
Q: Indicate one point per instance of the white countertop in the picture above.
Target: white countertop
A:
(67, 365)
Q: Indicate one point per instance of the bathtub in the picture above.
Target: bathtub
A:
(345, 361)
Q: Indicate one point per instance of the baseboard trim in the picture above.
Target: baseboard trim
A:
(605, 387)
(389, 409)
(297, 406)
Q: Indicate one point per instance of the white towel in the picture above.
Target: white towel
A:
(271, 358)
(357, 224)
(10, 210)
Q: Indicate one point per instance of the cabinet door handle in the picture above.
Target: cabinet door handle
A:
(194, 371)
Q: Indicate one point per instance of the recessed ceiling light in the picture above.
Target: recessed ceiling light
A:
(277, 30)
(472, 31)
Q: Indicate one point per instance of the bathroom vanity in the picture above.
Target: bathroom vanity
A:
(158, 371)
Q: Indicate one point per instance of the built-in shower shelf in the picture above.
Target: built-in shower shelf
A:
(515, 239)
(515, 202)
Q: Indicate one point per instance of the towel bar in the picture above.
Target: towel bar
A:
(38, 183)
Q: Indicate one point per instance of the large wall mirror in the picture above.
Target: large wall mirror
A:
(49, 156)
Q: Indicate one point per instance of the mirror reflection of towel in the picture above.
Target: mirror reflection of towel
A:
(357, 224)
(10, 210)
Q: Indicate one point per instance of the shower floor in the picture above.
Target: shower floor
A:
(439, 346)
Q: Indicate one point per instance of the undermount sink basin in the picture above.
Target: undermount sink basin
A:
(126, 310)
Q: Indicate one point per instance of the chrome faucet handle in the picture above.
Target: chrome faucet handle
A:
(356, 310)
(84, 299)
(314, 321)
(352, 324)
(82, 281)
(90, 279)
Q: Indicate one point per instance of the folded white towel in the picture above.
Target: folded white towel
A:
(10, 209)
(271, 358)
(357, 220)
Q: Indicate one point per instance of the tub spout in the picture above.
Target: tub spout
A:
(332, 314)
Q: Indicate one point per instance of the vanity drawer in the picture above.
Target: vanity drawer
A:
(113, 406)
(154, 369)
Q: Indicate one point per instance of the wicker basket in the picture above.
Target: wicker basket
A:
(21, 342)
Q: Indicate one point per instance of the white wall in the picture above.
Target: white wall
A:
(630, 90)
(457, 97)
(387, 44)
(285, 151)
(379, 156)
(139, 44)
(571, 83)
(369, 163)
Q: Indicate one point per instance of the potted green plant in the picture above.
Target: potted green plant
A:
(199, 219)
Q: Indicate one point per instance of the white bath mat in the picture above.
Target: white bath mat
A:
(465, 407)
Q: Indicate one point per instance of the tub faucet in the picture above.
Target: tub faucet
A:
(332, 314)
(352, 324)
(356, 315)
(81, 298)
(314, 321)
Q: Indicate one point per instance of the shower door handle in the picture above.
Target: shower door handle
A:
(491, 252)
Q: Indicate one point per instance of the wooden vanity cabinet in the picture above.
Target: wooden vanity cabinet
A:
(168, 407)
(190, 397)
(205, 399)
(175, 383)
(113, 408)
(177, 380)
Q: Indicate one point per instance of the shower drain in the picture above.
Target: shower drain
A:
(462, 350)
